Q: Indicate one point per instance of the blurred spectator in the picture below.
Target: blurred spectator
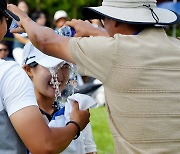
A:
(20, 39)
(23, 6)
(4, 51)
(9, 40)
(60, 17)
(39, 17)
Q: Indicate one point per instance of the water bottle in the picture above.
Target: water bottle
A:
(66, 31)
(15, 25)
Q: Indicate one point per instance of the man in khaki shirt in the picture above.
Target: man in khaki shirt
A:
(138, 64)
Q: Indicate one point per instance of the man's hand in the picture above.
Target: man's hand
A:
(85, 28)
(80, 116)
(22, 15)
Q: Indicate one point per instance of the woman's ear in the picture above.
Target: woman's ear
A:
(28, 70)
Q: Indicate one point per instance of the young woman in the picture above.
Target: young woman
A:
(36, 64)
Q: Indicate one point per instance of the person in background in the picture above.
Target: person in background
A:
(21, 123)
(60, 17)
(39, 17)
(36, 65)
(9, 39)
(137, 63)
(22, 5)
(4, 51)
(20, 39)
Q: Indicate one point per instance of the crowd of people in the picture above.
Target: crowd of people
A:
(129, 53)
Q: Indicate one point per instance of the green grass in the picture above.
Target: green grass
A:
(101, 131)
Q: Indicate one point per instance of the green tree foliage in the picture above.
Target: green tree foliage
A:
(72, 7)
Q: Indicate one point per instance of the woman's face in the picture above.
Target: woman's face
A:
(41, 20)
(41, 78)
(60, 22)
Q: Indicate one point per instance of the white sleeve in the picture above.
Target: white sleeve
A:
(89, 143)
(17, 90)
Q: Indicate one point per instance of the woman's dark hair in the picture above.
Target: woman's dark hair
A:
(3, 6)
(4, 43)
(36, 14)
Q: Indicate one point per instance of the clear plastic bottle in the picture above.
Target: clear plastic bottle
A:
(66, 31)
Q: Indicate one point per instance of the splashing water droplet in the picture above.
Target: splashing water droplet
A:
(73, 78)
(55, 83)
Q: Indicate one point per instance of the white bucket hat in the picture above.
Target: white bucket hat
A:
(32, 54)
(60, 14)
(132, 12)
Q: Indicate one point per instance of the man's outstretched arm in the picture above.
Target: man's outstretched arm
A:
(47, 41)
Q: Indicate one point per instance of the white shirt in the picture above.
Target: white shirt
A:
(16, 92)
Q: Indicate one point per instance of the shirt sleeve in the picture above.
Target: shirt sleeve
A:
(93, 55)
(17, 89)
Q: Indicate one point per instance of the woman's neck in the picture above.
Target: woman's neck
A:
(45, 103)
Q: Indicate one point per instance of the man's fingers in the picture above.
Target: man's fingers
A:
(87, 21)
(11, 7)
(68, 23)
(16, 11)
(17, 30)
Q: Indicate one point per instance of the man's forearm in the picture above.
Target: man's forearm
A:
(36, 33)
(58, 142)
(47, 41)
(37, 136)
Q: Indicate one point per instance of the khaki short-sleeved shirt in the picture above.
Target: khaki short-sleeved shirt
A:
(141, 77)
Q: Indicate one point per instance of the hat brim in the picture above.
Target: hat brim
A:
(137, 15)
(49, 61)
(32, 54)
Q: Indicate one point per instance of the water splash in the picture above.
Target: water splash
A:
(71, 84)
(55, 83)
(73, 78)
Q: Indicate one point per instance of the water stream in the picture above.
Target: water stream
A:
(56, 84)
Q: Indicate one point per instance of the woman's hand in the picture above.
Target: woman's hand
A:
(81, 117)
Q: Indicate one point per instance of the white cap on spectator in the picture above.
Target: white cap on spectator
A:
(60, 14)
